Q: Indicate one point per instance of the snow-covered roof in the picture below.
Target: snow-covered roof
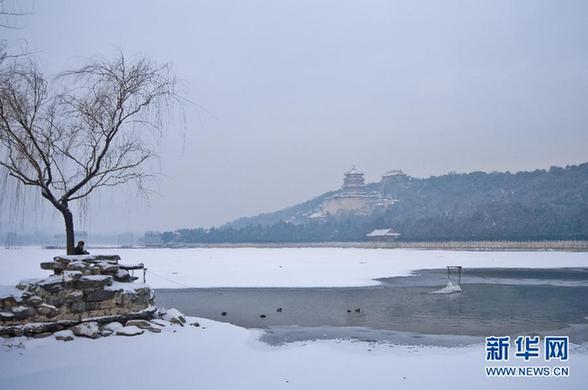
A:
(394, 172)
(354, 171)
(383, 233)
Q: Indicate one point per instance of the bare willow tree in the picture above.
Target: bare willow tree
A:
(84, 130)
(10, 13)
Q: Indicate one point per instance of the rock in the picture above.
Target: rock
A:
(48, 265)
(96, 258)
(34, 300)
(22, 312)
(73, 295)
(6, 316)
(42, 335)
(161, 323)
(174, 316)
(28, 284)
(107, 267)
(113, 326)
(128, 267)
(64, 335)
(72, 276)
(87, 329)
(90, 282)
(128, 331)
(6, 302)
(110, 328)
(77, 307)
(122, 276)
(77, 266)
(279, 309)
(52, 284)
(63, 259)
(47, 310)
(81, 288)
(144, 324)
(99, 295)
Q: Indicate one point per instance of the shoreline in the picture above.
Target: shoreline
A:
(561, 245)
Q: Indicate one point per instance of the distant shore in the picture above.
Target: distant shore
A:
(563, 245)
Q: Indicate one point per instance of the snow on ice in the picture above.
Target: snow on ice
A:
(286, 267)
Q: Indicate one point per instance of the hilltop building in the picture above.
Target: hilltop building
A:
(353, 180)
(394, 174)
(354, 197)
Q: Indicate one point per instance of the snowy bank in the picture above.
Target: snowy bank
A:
(286, 267)
(222, 356)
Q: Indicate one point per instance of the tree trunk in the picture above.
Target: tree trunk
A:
(69, 231)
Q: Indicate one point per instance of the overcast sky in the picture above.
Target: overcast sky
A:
(293, 93)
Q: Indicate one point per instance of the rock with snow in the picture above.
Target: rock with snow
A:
(128, 267)
(160, 322)
(87, 329)
(89, 282)
(6, 316)
(34, 300)
(81, 288)
(128, 331)
(144, 324)
(112, 326)
(47, 310)
(174, 316)
(72, 276)
(122, 276)
(64, 335)
(22, 312)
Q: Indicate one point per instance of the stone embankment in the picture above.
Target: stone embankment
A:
(87, 296)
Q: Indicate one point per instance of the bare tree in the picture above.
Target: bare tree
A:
(84, 130)
(10, 12)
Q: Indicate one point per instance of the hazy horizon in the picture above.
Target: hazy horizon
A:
(292, 94)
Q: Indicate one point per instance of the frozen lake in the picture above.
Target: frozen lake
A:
(493, 302)
(319, 289)
(316, 286)
(286, 267)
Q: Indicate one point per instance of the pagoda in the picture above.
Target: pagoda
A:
(353, 180)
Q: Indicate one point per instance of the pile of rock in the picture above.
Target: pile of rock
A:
(82, 290)
(94, 329)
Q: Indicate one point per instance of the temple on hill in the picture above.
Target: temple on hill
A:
(354, 196)
(393, 174)
(353, 180)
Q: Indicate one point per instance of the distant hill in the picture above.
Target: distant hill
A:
(539, 205)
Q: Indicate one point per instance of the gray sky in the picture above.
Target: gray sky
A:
(296, 92)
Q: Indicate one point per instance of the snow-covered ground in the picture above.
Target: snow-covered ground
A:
(223, 356)
(286, 267)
